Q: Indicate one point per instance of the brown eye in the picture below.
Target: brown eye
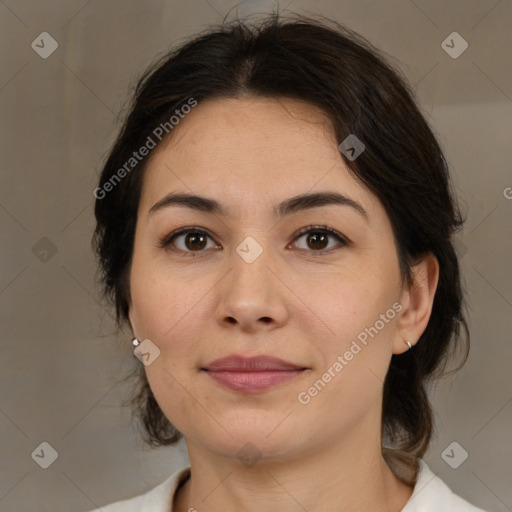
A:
(317, 238)
(187, 241)
(194, 241)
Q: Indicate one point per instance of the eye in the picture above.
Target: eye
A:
(194, 241)
(318, 236)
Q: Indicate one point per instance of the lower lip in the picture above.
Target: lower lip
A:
(251, 382)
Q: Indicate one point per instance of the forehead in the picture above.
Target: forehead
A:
(250, 151)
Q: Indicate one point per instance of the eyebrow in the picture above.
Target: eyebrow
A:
(283, 209)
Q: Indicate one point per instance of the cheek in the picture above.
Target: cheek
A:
(171, 311)
(353, 317)
(346, 302)
(156, 304)
(353, 350)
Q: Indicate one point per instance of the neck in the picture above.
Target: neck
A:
(347, 475)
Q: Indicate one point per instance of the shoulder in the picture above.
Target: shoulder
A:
(432, 494)
(158, 499)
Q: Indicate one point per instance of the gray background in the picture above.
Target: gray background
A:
(61, 358)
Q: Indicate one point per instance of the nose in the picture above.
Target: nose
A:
(252, 296)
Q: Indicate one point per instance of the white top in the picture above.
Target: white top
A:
(430, 494)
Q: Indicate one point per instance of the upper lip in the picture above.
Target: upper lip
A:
(251, 364)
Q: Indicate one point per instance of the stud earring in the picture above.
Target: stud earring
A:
(135, 342)
(408, 343)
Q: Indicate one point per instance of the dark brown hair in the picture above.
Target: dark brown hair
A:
(324, 63)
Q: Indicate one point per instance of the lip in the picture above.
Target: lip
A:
(236, 363)
(252, 374)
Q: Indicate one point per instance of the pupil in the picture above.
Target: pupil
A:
(193, 237)
(314, 237)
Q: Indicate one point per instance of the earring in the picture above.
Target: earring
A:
(135, 342)
(408, 343)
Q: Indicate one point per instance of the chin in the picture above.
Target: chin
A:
(256, 440)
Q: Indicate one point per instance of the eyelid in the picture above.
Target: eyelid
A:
(322, 229)
(168, 239)
(343, 240)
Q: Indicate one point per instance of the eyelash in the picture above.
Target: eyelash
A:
(168, 239)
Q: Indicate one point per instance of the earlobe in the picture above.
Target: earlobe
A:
(418, 301)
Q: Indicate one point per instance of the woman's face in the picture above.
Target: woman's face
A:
(247, 283)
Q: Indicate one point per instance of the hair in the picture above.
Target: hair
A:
(323, 63)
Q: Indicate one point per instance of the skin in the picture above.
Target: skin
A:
(250, 154)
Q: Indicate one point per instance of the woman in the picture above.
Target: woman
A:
(274, 222)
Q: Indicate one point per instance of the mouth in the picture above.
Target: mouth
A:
(252, 374)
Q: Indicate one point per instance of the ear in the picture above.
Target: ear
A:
(417, 302)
